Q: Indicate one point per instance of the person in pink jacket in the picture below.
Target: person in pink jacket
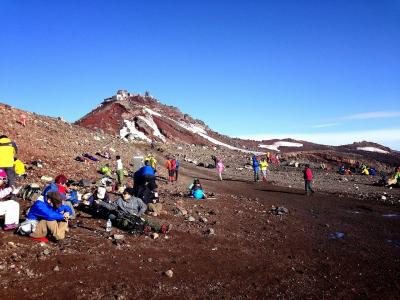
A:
(220, 169)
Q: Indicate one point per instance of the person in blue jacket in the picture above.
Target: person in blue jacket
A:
(145, 186)
(256, 167)
(50, 216)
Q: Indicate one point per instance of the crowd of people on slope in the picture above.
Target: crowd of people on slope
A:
(54, 212)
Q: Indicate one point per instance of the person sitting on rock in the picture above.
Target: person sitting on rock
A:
(126, 213)
(196, 190)
(60, 185)
(19, 168)
(8, 208)
(49, 216)
(395, 179)
(72, 195)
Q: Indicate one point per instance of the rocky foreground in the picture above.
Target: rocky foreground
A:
(254, 240)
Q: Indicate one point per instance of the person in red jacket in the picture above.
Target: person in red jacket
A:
(308, 177)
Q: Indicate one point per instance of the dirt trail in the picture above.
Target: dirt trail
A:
(252, 255)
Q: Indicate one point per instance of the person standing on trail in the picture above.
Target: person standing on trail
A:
(220, 169)
(264, 168)
(120, 171)
(256, 167)
(177, 163)
(171, 167)
(8, 149)
(308, 177)
(22, 119)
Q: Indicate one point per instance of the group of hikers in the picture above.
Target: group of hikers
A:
(54, 211)
(357, 168)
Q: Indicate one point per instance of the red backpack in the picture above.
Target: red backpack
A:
(173, 164)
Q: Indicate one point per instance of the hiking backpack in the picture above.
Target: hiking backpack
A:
(30, 192)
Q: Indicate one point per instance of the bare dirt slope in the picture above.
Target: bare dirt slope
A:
(252, 254)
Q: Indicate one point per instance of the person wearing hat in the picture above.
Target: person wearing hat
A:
(60, 185)
(50, 217)
(9, 208)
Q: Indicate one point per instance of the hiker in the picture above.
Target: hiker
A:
(364, 170)
(48, 215)
(126, 213)
(264, 168)
(256, 166)
(22, 119)
(19, 168)
(8, 208)
(308, 177)
(152, 161)
(196, 190)
(60, 185)
(8, 149)
(145, 186)
(105, 170)
(171, 167)
(395, 179)
(220, 169)
(72, 195)
(177, 162)
(120, 171)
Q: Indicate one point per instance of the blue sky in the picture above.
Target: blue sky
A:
(326, 71)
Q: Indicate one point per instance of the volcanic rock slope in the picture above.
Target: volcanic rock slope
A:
(142, 117)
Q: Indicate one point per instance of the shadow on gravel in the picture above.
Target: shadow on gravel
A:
(281, 192)
(225, 179)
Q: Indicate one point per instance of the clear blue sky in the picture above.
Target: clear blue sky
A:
(315, 69)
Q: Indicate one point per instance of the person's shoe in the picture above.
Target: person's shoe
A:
(10, 227)
(165, 228)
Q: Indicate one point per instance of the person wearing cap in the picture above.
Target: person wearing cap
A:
(8, 208)
(60, 185)
(50, 217)
(8, 150)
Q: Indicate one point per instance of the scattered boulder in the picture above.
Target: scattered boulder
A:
(191, 219)
(169, 273)
(278, 210)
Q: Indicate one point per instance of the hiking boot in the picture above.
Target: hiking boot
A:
(10, 227)
(165, 228)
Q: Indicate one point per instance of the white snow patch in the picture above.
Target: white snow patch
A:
(130, 129)
(150, 122)
(372, 149)
(275, 146)
(151, 112)
(203, 133)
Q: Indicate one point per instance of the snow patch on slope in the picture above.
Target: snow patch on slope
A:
(275, 146)
(151, 112)
(372, 149)
(203, 133)
(150, 122)
(129, 131)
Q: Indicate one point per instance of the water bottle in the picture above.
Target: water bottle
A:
(108, 226)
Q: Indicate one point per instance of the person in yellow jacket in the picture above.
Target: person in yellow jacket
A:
(8, 149)
(152, 161)
(264, 168)
(19, 168)
(365, 171)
